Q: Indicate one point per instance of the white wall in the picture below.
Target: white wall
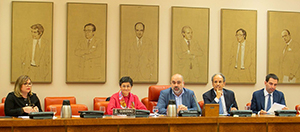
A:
(86, 92)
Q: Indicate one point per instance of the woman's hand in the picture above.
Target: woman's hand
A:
(35, 109)
(27, 109)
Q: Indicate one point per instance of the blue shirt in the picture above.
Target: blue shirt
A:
(178, 99)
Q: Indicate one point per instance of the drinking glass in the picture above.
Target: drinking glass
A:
(247, 107)
(298, 109)
(102, 108)
(54, 110)
(155, 111)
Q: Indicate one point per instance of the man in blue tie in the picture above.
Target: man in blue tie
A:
(218, 94)
(263, 99)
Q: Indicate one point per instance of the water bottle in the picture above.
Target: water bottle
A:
(172, 110)
(66, 111)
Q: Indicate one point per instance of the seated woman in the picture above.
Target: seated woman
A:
(22, 101)
(124, 98)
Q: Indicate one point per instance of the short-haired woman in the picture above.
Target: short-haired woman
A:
(124, 98)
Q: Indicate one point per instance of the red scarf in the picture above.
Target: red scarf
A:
(123, 103)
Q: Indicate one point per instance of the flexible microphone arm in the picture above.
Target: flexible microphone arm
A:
(198, 107)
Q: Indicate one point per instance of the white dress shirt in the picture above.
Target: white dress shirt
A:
(241, 47)
(34, 43)
(178, 99)
(188, 42)
(139, 42)
(266, 94)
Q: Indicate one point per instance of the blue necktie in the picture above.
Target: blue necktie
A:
(220, 107)
(269, 102)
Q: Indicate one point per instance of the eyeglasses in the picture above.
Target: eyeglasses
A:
(88, 30)
(28, 84)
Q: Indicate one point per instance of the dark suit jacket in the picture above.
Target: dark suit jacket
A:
(258, 100)
(229, 96)
(166, 95)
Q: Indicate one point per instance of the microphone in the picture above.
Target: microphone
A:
(198, 107)
(190, 113)
(230, 107)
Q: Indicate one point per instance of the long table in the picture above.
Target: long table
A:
(159, 124)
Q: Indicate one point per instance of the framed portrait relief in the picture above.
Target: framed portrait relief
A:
(238, 45)
(283, 46)
(86, 43)
(190, 40)
(139, 42)
(31, 47)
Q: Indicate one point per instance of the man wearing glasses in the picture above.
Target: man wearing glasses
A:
(184, 97)
(241, 61)
(89, 53)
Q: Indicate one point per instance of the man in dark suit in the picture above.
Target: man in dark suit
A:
(263, 99)
(218, 94)
(184, 97)
(90, 55)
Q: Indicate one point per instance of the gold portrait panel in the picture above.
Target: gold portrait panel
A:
(139, 42)
(284, 46)
(32, 27)
(86, 43)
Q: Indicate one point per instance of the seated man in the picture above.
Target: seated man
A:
(263, 99)
(184, 97)
(224, 97)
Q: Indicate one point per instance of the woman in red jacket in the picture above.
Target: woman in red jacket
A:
(124, 98)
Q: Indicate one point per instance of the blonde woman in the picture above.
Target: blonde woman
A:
(22, 101)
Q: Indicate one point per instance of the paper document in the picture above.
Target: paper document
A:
(78, 116)
(275, 106)
(152, 114)
(23, 117)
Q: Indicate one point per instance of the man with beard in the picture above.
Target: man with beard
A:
(218, 94)
(184, 97)
(263, 99)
